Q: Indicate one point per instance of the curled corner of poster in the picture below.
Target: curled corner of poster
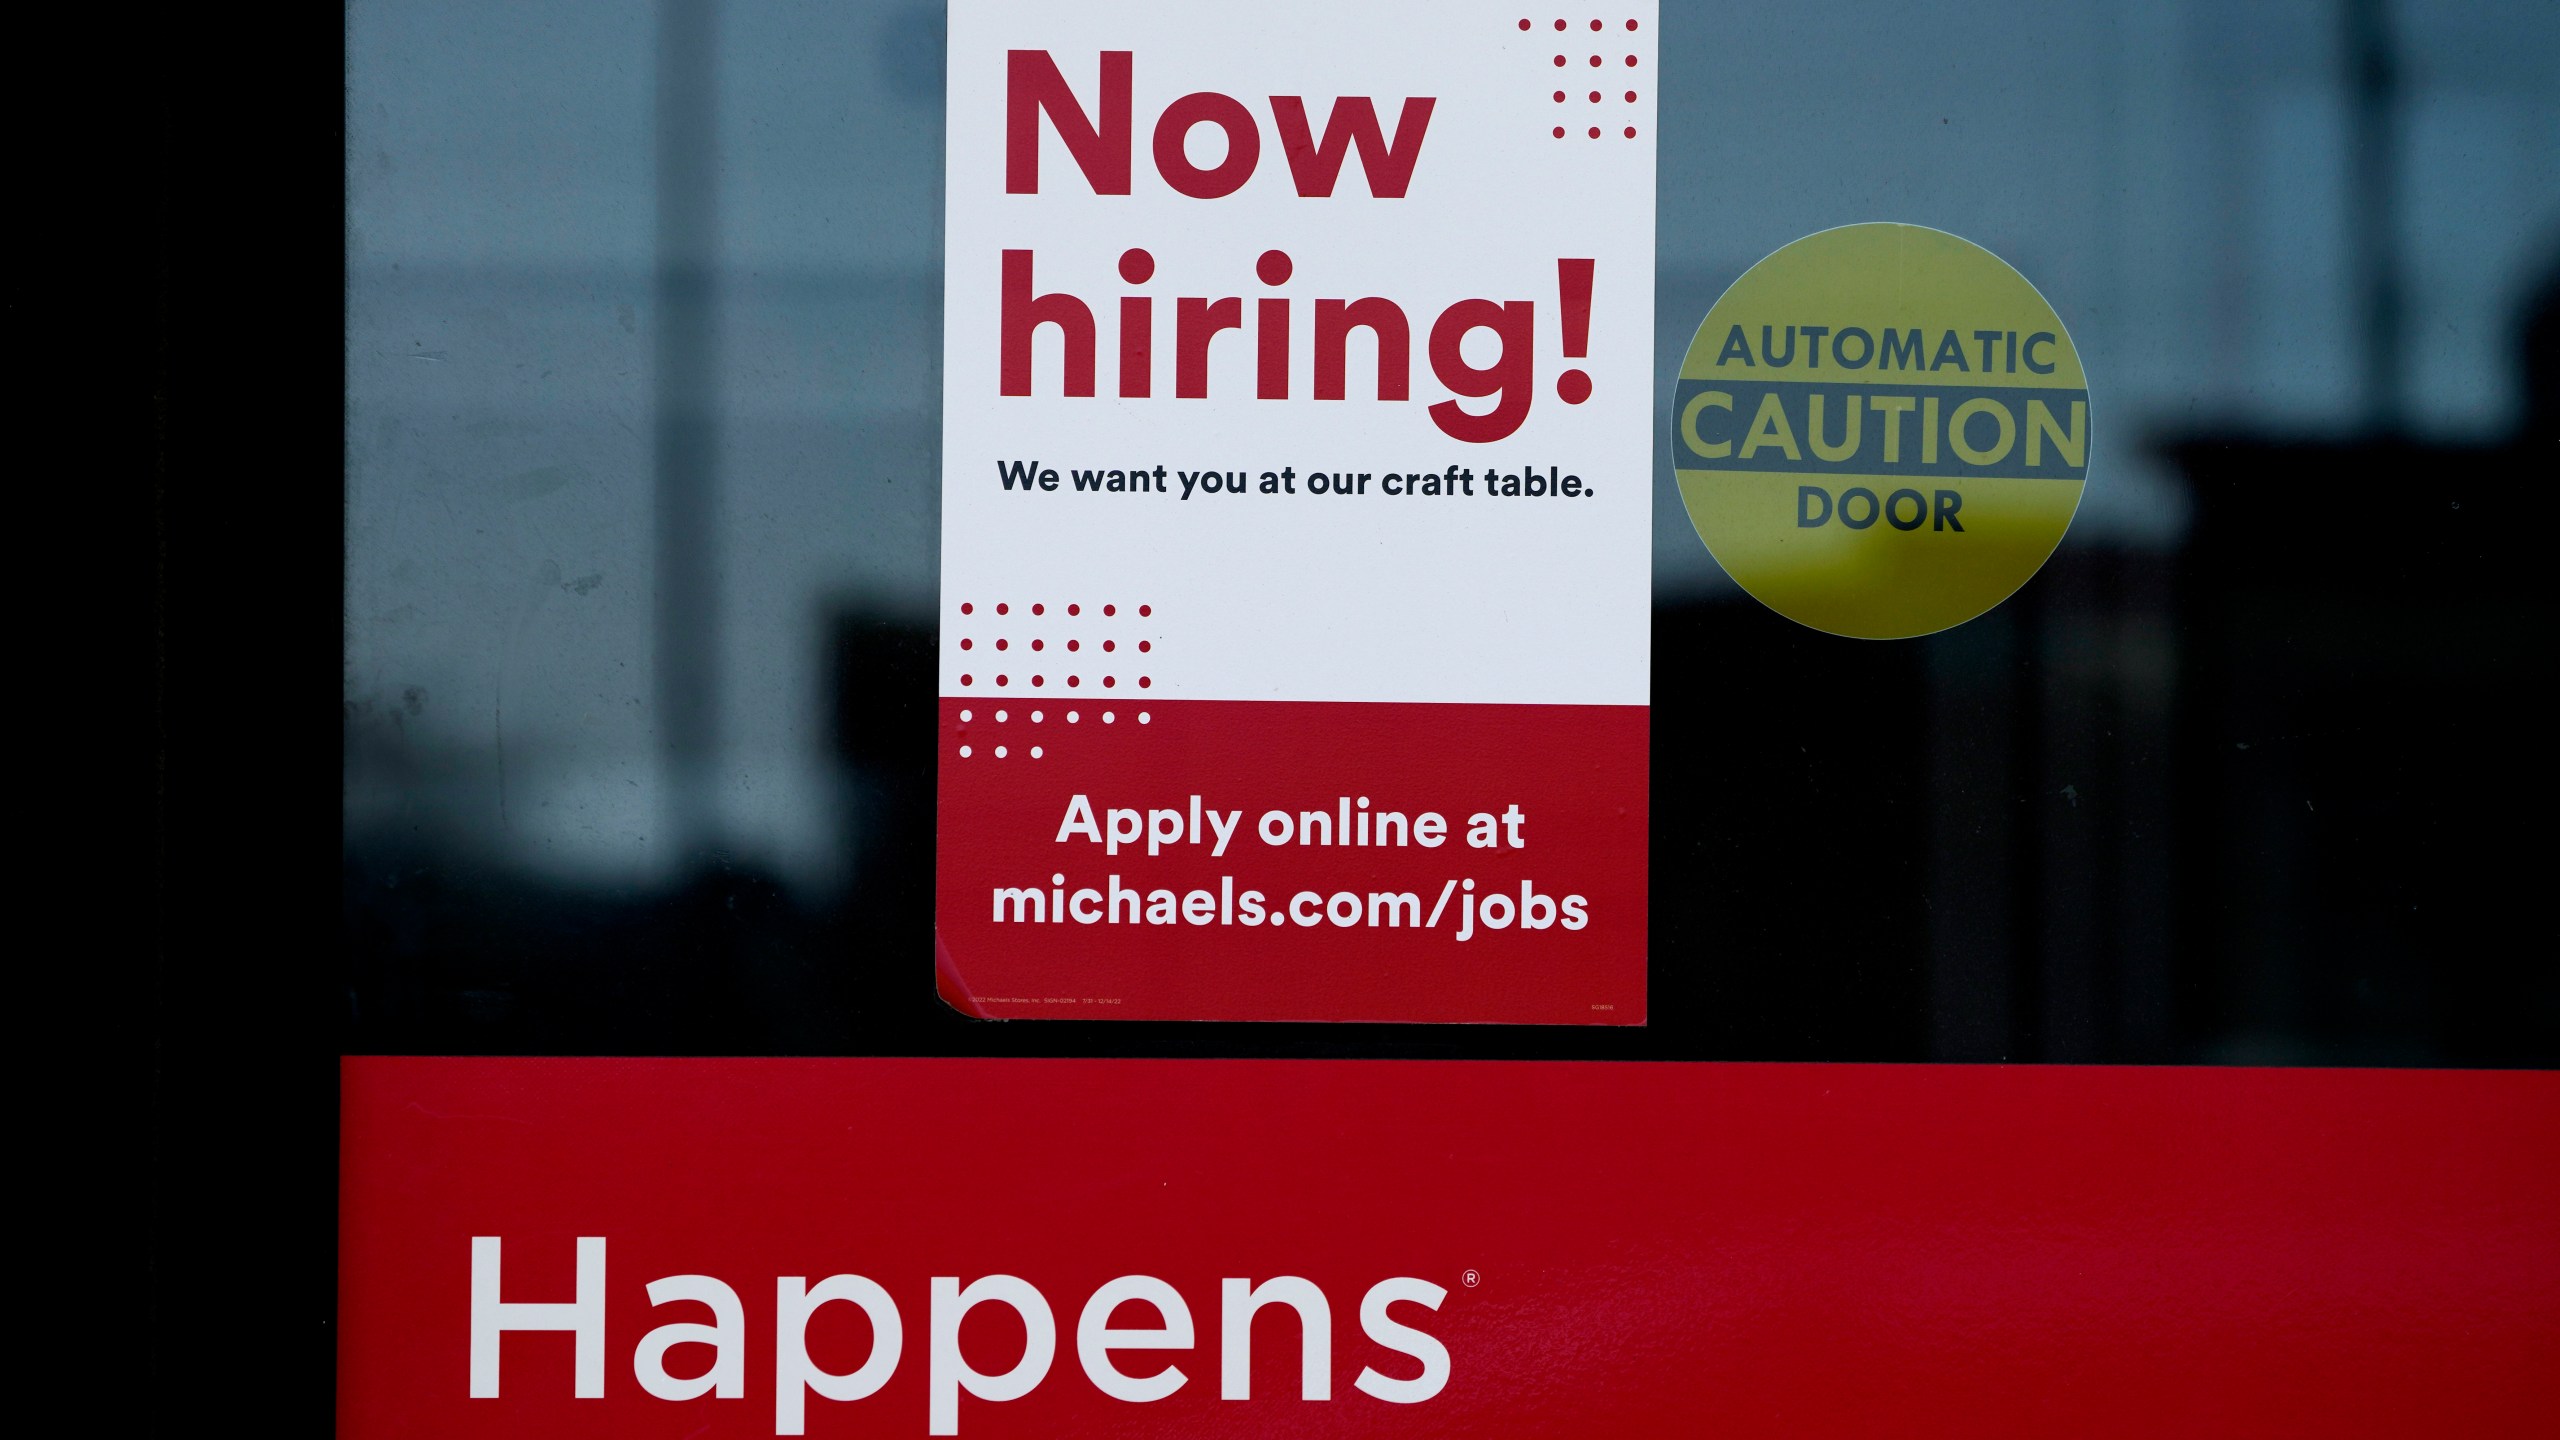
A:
(948, 984)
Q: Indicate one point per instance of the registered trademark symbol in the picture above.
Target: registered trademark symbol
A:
(1472, 1279)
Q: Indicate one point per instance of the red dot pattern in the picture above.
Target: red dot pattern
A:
(1597, 27)
(1039, 643)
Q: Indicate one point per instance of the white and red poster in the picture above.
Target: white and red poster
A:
(1297, 507)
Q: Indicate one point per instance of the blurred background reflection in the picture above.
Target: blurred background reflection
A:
(643, 347)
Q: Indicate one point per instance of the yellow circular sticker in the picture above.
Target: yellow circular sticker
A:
(1881, 431)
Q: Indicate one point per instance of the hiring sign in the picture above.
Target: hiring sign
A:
(1296, 513)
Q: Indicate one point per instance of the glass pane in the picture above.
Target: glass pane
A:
(643, 337)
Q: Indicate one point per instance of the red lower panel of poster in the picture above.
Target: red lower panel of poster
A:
(1250, 860)
(1492, 1249)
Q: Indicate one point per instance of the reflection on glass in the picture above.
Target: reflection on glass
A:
(643, 338)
